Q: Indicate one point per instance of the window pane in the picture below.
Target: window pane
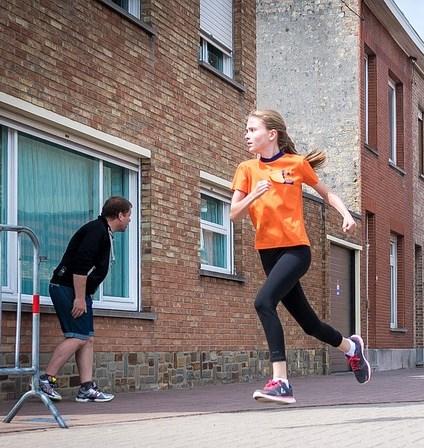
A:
(366, 99)
(212, 210)
(213, 251)
(392, 124)
(215, 57)
(122, 3)
(393, 284)
(57, 193)
(3, 201)
(116, 183)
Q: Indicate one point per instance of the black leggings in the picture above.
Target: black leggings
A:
(284, 267)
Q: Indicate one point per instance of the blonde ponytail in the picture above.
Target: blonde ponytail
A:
(273, 120)
(316, 158)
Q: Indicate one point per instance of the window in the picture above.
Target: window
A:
(54, 187)
(366, 99)
(420, 143)
(131, 6)
(370, 99)
(216, 34)
(136, 11)
(396, 124)
(370, 268)
(216, 237)
(215, 57)
(3, 201)
(392, 122)
(393, 281)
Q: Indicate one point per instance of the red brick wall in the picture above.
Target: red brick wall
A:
(387, 192)
(150, 91)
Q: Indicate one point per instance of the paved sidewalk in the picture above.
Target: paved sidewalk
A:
(400, 386)
(349, 426)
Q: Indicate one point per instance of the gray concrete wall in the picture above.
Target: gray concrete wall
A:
(392, 359)
(308, 69)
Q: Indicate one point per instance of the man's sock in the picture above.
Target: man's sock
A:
(86, 385)
(47, 377)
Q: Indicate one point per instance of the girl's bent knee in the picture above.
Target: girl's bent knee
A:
(261, 305)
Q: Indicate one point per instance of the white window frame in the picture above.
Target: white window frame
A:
(366, 87)
(10, 291)
(225, 229)
(227, 59)
(133, 8)
(393, 281)
(393, 121)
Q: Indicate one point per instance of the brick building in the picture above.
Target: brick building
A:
(348, 78)
(151, 105)
(390, 175)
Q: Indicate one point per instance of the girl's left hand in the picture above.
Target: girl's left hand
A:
(349, 224)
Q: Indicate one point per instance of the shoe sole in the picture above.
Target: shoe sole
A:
(87, 400)
(263, 398)
(358, 338)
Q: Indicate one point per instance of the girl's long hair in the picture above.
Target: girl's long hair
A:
(273, 120)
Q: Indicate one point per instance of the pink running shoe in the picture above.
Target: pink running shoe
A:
(276, 392)
(358, 363)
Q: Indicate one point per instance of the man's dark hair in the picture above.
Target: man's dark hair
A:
(115, 205)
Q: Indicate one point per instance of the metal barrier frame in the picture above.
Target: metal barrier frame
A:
(35, 354)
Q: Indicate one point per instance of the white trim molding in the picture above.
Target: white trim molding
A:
(211, 178)
(343, 243)
(53, 123)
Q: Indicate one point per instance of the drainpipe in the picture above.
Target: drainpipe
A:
(367, 302)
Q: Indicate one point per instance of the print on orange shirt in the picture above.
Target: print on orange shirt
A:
(281, 176)
(278, 214)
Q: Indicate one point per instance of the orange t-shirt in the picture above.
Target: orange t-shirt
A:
(277, 215)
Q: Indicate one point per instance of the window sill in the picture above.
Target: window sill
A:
(398, 330)
(372, 150)
(149, 30)
(397, 168)
(421, 176)
(232, 277)
(143, 315)
(221, 75)
(49, 309)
